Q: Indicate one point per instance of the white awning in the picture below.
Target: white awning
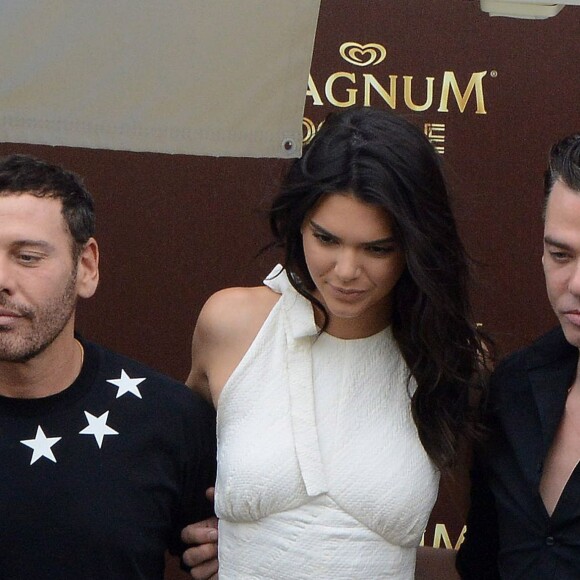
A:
(202, 77)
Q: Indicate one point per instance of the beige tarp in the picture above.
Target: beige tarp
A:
(203, 77)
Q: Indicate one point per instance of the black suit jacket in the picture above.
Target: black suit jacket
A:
(509, 532)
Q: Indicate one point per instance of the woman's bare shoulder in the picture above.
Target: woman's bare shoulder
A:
(236, 310)
(227, 325)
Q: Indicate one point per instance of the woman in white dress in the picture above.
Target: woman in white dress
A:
(343, 384)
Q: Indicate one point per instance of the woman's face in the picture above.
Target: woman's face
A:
(355, 261)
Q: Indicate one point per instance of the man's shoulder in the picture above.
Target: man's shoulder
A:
(110, 360)
(548, 349)
(132, 375)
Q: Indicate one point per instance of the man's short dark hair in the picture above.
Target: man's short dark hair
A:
(25, 174)
(564, 164)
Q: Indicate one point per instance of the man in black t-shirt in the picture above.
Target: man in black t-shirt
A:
(104, 461)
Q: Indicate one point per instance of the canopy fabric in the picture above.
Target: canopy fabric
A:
(201, 77)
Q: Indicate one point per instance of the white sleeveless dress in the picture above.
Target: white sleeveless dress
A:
(321, 473)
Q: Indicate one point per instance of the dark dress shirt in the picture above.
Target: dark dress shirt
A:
(509, 532)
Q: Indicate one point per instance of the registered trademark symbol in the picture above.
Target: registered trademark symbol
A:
(493, 74)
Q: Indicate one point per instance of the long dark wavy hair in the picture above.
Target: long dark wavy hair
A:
(384, 160)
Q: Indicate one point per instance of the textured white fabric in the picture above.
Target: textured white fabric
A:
(321, 473)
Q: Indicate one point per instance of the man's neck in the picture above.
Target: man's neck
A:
(575, 386)
(48, 373)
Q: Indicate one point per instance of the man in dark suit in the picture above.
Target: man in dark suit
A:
(524, 520)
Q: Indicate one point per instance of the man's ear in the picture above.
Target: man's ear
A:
(88, 269)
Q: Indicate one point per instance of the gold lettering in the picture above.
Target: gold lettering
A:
(409, 97)
(312, 91)
(441, 534)
(461, 538)
(351, 92)
(341, 90)
(436, 134)
(389, 97)
(450, 82)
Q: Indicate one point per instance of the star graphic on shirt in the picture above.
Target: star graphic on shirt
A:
(127, 385)
(41, 446)
(98, 427)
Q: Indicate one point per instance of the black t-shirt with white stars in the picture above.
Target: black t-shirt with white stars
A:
(97, 481)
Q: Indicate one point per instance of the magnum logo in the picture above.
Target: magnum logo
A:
(348, 88)
(363, 55)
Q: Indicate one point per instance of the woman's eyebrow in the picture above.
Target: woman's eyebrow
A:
(319, 228)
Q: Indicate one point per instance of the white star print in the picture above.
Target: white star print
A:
(41, 446)
(127, 385)
(98, 427)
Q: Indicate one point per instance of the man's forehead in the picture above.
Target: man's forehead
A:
(562, 195)
(562, 218)
(35, 206)
(31, 192)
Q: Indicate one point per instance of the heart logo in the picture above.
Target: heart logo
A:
(363, 54)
